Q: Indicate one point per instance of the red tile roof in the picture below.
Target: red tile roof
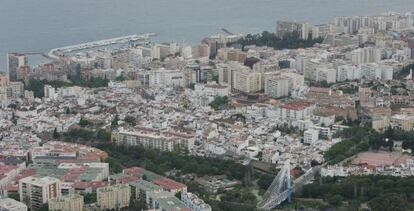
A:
(301, 105)
(127, 178)
(93, 184)
(169, 184)
(134, 171)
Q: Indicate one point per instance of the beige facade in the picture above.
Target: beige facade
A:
(403, 122)
(380, 123)
(247, 81)
(231, 54)
(113, 197)
(71, 202)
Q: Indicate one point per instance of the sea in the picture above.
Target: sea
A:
(36, 26)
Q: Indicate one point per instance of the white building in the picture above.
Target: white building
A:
(348, 72)
(326, 74)
(50, 92)
(310, 136)
(294, 111)
(194, 203)
(169, 78)
(373, 71)
(155, 139)
(365, 55)
(8, 204)
(276, 86)
(204, 94)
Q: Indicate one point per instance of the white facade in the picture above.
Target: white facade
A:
(194, 203)
(374, 71)
(8, 204)
(277, 87)
(310, 136)
(50, 92)
(365, 55)
(326, 74)
(294, 111)
(204, 94)
(169, 78)
(348, 72)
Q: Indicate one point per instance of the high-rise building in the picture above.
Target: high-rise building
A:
(326, 74)
(285, 27)
(35, 192)
(15, 61)
(348, 72)
(247, 81)
(15, 89)
(50, 92)
(113, 197)
(373, 71)
(310, 136)
(276, 86)
(70, 202)
(365, 55)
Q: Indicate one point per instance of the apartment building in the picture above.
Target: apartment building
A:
(292, 111)
(155, 139)
(8, 204)
(113, 197)
(247, 81)
(276, 87)
(70, 202)
(35, 192)
(144, 189)
(194, 203)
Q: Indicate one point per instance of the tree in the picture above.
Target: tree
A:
(89, 198)
(67, 110)
(265, 180)
(178, 195)
(14, 195)
(288, 41)
(138, 204)
(83, 122)
(103, 136)
(391, 201)
(14, 118)
(251, 61)
(56, 135)
(130, 120)
(114, 122)
(219, 102)
(335, 200)
(324, 84)
(216, 78)
(44, 207)
(120, 78)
